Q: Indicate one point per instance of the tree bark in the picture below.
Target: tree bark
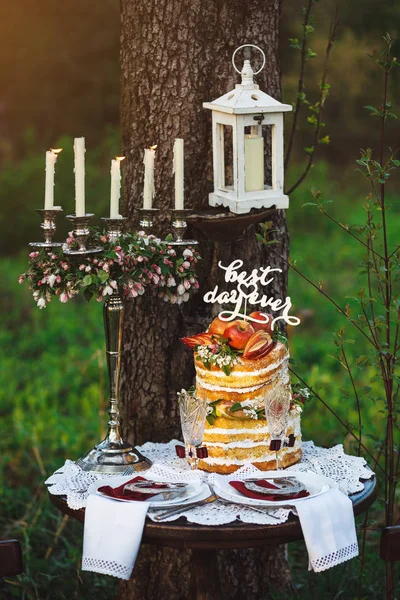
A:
(175, 54)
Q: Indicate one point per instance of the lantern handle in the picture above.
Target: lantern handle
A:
(248, 46)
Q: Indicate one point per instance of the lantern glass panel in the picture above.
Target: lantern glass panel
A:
(224, 159)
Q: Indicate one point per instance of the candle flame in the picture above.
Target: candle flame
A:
(56, 150)
(153, 147)
(120, 158)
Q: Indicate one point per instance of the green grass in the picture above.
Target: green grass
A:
(53, 396)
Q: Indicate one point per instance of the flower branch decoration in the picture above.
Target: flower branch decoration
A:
(130, 265)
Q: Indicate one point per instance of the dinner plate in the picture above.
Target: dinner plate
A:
(193, 490)
(315, 485)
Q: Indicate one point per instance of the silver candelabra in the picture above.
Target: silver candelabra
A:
(112, 455)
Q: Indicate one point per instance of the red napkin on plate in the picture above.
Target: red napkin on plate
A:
(240, 487)
(118, 492)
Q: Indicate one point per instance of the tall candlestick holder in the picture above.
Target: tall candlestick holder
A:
(81, 234)
(179, 226)
(113, 455)
(114, 227)
(48, 227)
(146, 220)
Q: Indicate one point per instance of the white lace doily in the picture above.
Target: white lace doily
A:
(72, 482)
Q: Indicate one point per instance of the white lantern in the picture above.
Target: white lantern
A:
(240, 122)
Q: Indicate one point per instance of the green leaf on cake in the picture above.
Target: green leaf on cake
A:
(235, 407)
(211, 418)
(227, 369)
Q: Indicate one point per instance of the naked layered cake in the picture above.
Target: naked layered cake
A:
(237, 364)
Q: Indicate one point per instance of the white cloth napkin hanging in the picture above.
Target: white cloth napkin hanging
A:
(112, 535)
(329, 529)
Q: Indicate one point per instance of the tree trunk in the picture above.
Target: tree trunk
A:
(175, 54)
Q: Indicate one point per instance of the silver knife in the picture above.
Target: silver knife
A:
(183, 508)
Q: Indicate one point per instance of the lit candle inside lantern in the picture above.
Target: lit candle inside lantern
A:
(149, 189)
(179, 173)
(115, 187)
(51, 157)
(79, 156)
(254, 161)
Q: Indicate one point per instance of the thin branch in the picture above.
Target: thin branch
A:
(349, 232)
(346, 427)
(331, 300)
(300, 86)
(353, 385)
(331, 39)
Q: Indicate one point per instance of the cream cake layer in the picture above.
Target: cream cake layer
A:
(246, 374)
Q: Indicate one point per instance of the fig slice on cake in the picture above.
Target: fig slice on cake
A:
(259, 345)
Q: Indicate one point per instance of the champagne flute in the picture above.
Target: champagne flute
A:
(277, 405)
(193, 412)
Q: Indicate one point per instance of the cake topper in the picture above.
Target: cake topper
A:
(247, 291)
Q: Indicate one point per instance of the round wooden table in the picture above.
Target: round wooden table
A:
(205, 540)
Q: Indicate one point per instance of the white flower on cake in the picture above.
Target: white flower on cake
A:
(250, 412)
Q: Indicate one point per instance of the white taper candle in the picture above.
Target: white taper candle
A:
(79, 170)
(179, 173)
(149, 188)
(51, 157)
(115, 187)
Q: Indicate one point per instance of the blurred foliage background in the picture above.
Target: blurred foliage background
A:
(59, 78)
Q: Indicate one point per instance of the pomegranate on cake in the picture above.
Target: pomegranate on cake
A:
(238, 364)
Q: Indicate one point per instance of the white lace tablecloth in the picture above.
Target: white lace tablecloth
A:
(72, 482)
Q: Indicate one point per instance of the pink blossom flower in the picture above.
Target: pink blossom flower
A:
(181, 289)
(99, 298)
(166, 261)
(133, 293)
(52, 279)
(88, 269)
(114, 284)
(64, 298)
(187, 285)
(156, 279)
(58, 278)
(186, 296)
(69, 240)
(118, 248)
(82, 267)
(107, 291)
(140, 259)
(21, 279)
(41, 303)
(187, 253)
(33, 254)
(171, 282)
(186, 265)
(180, 269)
(65, 266)
(196, 285)
(104, 239)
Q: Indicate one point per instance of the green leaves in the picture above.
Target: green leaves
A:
(310, 54)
